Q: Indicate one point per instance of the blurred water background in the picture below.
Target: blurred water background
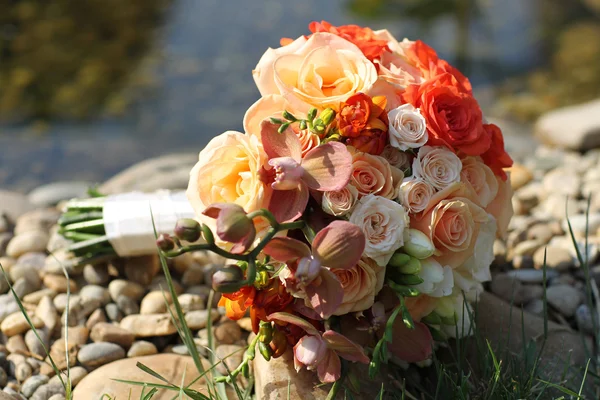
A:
(89, 87)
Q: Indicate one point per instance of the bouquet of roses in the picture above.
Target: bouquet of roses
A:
(358, 208)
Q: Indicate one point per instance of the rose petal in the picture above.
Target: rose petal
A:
(345, 347)
(267, 106)
(327, 167)
(330, 368)
(411, 345)
(288, 205)
(294, 320)
(340, 245)
(277, 144)
(286, 249)
(327, 296)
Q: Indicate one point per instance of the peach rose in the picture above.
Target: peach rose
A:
(321, 71)
(228, 171)
(361, 284)
(501, 207)
(397, 158)
(385, 225)
(476, 269)
(415, 194)
(481, 178)
(453, 225)
(438, 166)
(340, 202)
(374, 175)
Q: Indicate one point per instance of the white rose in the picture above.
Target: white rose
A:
(415, 194)
(397, 158)
(361, 284)
(481, 178)
(477, 268)
(340, 202)
(407, 128)
(438, 166)
(384, 223)
(438, 279)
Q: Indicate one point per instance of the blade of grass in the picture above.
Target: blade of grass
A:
(151, 372)
(220, 387)
(587, 366)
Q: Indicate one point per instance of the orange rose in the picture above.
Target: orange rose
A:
(453, 116)
(364, 122)
(354, 115)
(496, 157)
(364, 38)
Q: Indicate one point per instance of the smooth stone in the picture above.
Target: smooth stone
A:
(3, 284)
(154, 303)
(171, 366)
(105, 332)
(228, 332)
(245, 323)
(78, 335)
(527, 247)
(142, 269)
(531, 275)
(149, 325)
(27, 272)
(190, 302)
(199, 319)
(31, 241)
(16, 323)
(556, 258)
(535, 307)
(75, 373)
(142, 348)
(8, 305)
(45, 392)
(95, 292)
(16, 344)
(32, 383)
(58, 353)
(41, 219)
(122, 287)
(5, 238)
(578, 224)
(60, 261)
(52, 193)
(510, 289)
(582, 122)
(193, 276)
(59, 283)
(185, 262)
(96, 274)
(562, 181)
(57, 396)
(159, 283)
(127, 305)
(231, 354)
(564, 298)
(23, 371)
(46, 312)
(23, 287)
(13, 204)
(61, 300)
(113, 313)
(540, 232)
(36, 297)
(583, 317)
(96, 354)
(34, 344)
(80, 308)
(57, 242)
(96, 317)
(3, 381)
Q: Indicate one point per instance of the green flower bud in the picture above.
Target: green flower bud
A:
(413, 266)
(283, 127)
(165, 242)
(418, 245)
(403, 279)
(327, 116)
(228, 279)
(262, 279)
(405, 291)
(187, 229)
(312, 113)
(398, 260)
(246, 370)
(452, 320)
(432, 319)
(276, 121)
(207, 234)
(289, 116)
(445, 307)
(303, 125)
(265, 350)
(265, 332)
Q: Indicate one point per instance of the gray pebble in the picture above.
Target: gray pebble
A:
(3, 377)
(45, 392)
(532, 275)
(564, 298)
(583, 317)
(95, 292)
(95, 354)
(96, 274)
(34, 345)
(127, 305)
(32, 383)
(113, 313)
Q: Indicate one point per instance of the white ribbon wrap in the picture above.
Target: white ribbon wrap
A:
(128, 219)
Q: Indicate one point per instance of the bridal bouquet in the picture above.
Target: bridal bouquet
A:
(358, 209)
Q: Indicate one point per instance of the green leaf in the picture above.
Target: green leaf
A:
(195, 395)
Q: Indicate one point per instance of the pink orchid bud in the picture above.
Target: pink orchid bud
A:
(309, 352)
(233, 225)
(288, 173)
(308, 270)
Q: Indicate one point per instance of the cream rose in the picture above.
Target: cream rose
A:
(361, 284)
(374, 175)
(340, 202)
(228, 171)
(397, 158)
(481, 178)
(407, 128)
(438, 280)
(384, 223)
(438, 166)
(453, 226)
(321, 71)
(415, 194)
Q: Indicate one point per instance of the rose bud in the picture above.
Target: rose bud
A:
(233, 225)
(165, 242)
(187, 229)
(418, 245)
(228, 279)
